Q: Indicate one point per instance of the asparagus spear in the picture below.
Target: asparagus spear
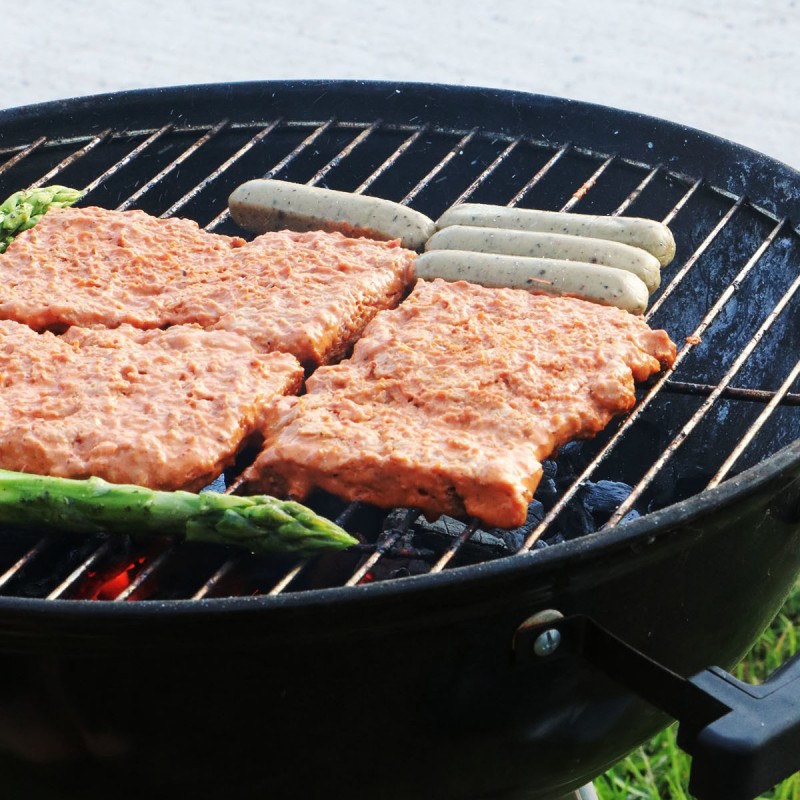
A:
(260, 523)
(25, 208)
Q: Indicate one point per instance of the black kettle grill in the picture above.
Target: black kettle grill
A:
(439, 660)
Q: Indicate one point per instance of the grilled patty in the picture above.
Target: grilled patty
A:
(165, 409)
(450, 402)
(308, 294)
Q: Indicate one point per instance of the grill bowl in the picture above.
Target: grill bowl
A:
(409, 686)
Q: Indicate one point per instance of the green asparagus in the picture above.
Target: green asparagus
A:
(259, 523)
(25, 208)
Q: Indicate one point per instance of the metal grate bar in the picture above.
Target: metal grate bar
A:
(383, 546)
(285, 161)
(81, 572)
(123, 162)
(224, 569)
(19, 565)
(26, 151)
(344, 153)
(626, 425)
(309, 140)
(693, 259)
(551, 162)
(583, 190)
(734, 392)
(636, 193)
(386, 544)
(146, 573)
(763, 417)
(173, 165)
(295, 571)
(698, 416)
(208, 587)
(242, 151)
(71, 159)
(678, 207)
(289, 577)
(456, 545)
(488, 171)
(462, 143)
(391, 160)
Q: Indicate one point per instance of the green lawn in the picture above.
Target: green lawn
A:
(660, 771)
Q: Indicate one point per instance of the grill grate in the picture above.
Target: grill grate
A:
(668, 448)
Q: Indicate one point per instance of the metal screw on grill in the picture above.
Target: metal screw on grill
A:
(532, 638)
(547, 642)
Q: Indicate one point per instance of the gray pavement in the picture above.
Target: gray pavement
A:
(729, 67)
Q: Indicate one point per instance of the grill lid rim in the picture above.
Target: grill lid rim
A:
(765, 180)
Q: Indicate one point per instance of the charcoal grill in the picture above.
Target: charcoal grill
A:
(424, 661)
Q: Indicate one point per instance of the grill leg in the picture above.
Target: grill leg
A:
(584, 793)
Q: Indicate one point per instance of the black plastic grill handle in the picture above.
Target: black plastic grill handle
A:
(743, 739)
(753, 746)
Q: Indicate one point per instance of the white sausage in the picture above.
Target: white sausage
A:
(262, 205)
(550, 245)
(601, 284)
(650, 235)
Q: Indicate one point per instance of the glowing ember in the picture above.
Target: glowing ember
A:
(116, 584)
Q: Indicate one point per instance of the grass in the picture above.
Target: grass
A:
(660, 771)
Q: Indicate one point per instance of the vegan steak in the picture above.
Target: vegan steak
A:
(164, 409)
(309, 294)
(450, 402)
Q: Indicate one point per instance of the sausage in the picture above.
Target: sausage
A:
(263, 205)
(550, 245)
(648, 234)
(595, 282)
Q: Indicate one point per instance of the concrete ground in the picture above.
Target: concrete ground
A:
(729, 67)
